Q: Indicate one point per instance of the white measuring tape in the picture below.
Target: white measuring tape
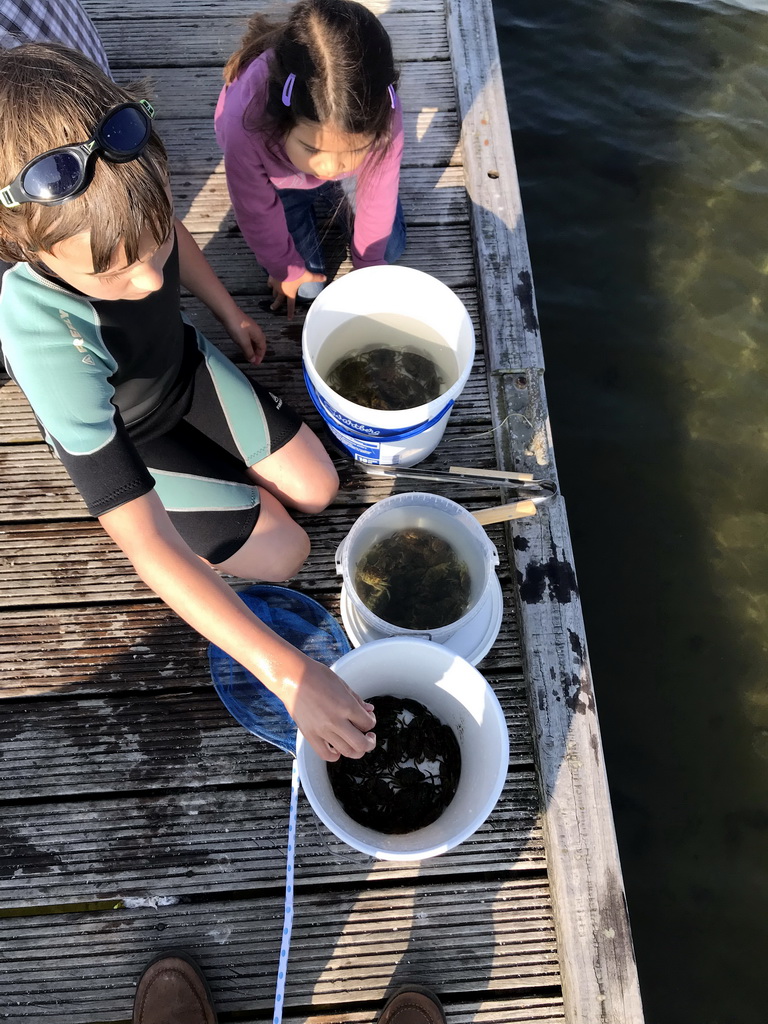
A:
(285, 944)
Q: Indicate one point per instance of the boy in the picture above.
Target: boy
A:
(186, 464)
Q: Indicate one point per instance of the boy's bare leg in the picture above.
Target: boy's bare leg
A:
(276, 549)
(300, 474)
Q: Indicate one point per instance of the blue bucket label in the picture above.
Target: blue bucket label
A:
(360, 450)
(346, 429)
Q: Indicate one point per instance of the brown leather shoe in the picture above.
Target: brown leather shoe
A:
(172, 990)
(414, 1005)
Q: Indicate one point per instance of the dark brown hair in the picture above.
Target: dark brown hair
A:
(342, 58)
(52, 96)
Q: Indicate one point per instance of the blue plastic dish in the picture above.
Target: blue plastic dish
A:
(303, 623)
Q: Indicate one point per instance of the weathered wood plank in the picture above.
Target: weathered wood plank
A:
(76, 561)
(430, 195)
(192, 92)
(348, 949)
(221, 840)
(145, 10)
(73, 652)
(494, 196)
(167, 740)
(36, 487)
(511, 1009)
(67, 652)
(599, 974)
(431, 140)
(447, 257)
(209, 42)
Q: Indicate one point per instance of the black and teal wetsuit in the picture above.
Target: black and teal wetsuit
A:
(131, 397)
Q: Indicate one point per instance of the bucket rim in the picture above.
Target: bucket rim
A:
(464, 641)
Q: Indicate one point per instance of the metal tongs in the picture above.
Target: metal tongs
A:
(531, 492)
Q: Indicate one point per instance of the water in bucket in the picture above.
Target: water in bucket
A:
(413, 578)
(387, 361)
(431, 516)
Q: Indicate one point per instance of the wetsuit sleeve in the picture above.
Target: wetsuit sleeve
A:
(376, 201)
(57, 357)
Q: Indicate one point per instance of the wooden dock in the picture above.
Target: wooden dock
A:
(135, 814)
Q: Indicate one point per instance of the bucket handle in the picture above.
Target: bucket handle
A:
(340, 556)
(412, 635)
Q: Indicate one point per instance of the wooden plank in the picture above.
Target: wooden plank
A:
(430, 195)
(146, 10)
(76, 561)
(36, 486)
(348, 950)
(66, 652)
(75, 651)
(192, 92)
(431, 140)
(512, 1009)
(599, 973)
(171, 740)
(177, 844)
(447, 257)
(209, 42)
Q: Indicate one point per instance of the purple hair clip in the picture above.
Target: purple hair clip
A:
(288, 89)
(391, 91)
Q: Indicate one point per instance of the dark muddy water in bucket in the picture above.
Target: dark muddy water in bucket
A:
(642, 150)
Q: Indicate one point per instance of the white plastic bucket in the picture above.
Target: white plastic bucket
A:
(461, 698)
(441, 516)
(472, 641)
(374, 436)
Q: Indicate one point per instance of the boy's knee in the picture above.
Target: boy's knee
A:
(318, 492)
(290, 559)
(273, 559)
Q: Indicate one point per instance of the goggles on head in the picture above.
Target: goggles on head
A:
(65, 172)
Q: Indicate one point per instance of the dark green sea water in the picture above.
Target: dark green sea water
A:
(641, 137)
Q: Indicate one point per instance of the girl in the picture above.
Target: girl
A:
(306, 106)
(184, 461)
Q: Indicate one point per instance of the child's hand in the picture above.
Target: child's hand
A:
(331, 717)
(248, 335)
(286, 291)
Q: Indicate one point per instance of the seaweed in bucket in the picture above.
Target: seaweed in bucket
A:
(413, 579)
(388, 379)
(410, 777)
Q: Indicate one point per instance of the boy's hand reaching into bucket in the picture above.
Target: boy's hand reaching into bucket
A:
(286, 291)
(331, 716)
